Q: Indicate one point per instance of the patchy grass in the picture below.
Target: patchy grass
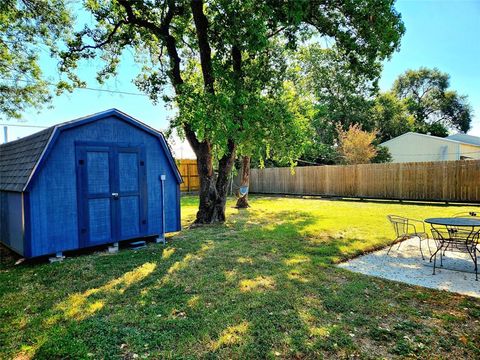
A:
(261, 286)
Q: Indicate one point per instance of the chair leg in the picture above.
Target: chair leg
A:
(429, 249)
(390, 248)
(435, 258)
(445, 249)
(476, 265)
(394, 242)
(421, 252)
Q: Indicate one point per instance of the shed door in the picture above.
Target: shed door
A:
(111, 193)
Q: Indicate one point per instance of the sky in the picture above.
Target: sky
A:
(439, 33)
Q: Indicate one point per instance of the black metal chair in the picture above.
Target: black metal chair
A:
(459, 231)
(406, 228)
(455, 239)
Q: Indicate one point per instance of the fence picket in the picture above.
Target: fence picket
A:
(434, 181)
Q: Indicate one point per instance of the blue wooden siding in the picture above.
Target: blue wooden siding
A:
(11, 220)
(53, 192)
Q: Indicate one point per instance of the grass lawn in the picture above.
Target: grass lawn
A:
(261, 286)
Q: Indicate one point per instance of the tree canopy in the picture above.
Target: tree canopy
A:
(390, 117)
(342, 93)
(28, 28)
(435, 108)
(213, 61)
(420, 101)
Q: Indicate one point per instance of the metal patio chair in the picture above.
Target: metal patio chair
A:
(406, 228)
(455, 239)
(459, 231)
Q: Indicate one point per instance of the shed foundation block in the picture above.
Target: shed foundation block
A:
(113, 249)
(160, 240)
(57, 258)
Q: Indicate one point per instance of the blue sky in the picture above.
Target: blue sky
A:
(442, 34)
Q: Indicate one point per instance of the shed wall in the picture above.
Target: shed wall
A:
(11, 220)
(53, 193)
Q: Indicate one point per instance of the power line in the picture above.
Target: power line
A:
(86, 88)
(108, 91)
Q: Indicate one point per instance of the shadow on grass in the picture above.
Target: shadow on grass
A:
(259, 286)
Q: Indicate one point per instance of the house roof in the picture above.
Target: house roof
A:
(446, 139)
(19, 159)
(467, 139)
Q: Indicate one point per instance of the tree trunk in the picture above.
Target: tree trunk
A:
(242, 202)
(213, 188)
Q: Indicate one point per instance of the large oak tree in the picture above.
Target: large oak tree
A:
(184, 43)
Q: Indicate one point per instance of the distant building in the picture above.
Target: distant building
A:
(414, 147)
(469, 139)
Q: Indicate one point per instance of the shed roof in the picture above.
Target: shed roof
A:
(19, 159)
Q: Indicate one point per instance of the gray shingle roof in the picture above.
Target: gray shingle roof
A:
(18, 159)
(468, 139)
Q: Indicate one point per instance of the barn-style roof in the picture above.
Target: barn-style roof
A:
(19, 159)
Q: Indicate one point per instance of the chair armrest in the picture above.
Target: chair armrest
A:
(418, 222)
(409, 225)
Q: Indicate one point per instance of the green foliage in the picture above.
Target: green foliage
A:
(435, 108)
(342, 94)
(391, 117)
(382, 155)
(265, 115)
(252, 106)
(28, 28)
(419, 101)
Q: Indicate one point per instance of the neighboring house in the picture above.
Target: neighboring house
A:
(96, 180)
(414, 147)
(469, 139)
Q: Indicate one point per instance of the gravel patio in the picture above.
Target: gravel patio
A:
(404, 264)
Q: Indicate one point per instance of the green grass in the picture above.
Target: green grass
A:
(261, 286)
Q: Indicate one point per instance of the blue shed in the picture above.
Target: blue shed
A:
(96, 180)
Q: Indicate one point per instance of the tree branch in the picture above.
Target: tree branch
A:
(163, 33)
(279, 30)
(201, 26)
(102, 43)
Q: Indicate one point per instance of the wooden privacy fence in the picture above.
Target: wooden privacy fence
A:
(429, 181)
(188, 170)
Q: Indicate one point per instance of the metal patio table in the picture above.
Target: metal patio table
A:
(455, 234)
